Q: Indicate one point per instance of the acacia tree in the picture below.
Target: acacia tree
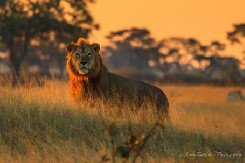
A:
(56, 21)
(238, 32)
(133, 47)
(181, 50)
(237, 35)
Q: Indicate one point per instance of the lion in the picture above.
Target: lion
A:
(89, 76)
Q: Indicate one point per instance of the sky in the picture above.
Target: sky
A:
(205, 20)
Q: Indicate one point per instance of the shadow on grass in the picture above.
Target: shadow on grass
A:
(58, 132)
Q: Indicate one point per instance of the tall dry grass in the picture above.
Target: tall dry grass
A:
(204, 108)
(43, 123)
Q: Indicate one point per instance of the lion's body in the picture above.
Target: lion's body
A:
(98, 82)
(137, 91)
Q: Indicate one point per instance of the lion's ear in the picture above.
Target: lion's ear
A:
(96, 47)
(70, 47)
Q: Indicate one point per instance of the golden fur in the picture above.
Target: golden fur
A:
(95, 79)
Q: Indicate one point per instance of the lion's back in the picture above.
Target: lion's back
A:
(137, 91)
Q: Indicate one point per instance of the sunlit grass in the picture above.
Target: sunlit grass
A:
(43, 123)
(205, 108)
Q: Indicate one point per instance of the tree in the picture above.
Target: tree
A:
(56, 21)
(133, 47)
(224, 68)
(238, 32)
(237, 35)
(181, 50)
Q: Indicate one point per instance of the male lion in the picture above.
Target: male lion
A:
(89, 76)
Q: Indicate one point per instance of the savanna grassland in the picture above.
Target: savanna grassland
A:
(43, 124)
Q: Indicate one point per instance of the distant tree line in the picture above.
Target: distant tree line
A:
(135, 52)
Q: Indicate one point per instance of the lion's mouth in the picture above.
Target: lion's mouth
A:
(83, 70)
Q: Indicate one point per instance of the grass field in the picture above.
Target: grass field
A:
(43, 124)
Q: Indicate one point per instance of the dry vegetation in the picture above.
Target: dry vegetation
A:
(205, 108)
(43, 124)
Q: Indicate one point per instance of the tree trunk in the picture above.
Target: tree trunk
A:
(15, 73)
(16, 56)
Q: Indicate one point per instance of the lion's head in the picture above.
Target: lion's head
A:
(83, 59)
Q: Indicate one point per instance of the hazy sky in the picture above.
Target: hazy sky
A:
(205, 20)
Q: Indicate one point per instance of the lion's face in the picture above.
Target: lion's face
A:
(84, 58)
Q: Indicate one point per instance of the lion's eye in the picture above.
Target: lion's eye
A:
(77, 55)
(89, 54)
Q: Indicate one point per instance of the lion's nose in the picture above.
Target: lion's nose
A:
(83, 62)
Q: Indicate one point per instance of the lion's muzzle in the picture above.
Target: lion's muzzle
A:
(83, 67)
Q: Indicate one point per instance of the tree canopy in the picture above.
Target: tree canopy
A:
(238, 33)
(132, 47)
(54, 21)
